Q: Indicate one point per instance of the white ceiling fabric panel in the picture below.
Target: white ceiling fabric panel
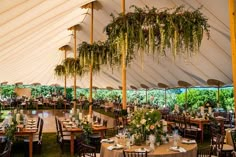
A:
(32, 31)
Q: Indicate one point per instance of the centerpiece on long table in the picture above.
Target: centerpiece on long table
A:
(147, 124)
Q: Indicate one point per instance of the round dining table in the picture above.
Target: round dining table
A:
(160, 151)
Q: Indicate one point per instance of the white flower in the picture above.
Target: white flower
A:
(143, 121)
(137, 126)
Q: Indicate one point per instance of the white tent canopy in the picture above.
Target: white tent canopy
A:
(32, 31)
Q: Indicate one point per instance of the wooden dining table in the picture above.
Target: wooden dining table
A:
(25, 132)
(159, 151)
(201, 122)
(73, 130)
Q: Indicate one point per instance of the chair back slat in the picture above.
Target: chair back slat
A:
(87, 150)
(203, 152)
(134, 154)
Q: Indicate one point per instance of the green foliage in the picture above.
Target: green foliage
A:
(60, 70)
(156, 30)
(7, 90)
(196, 96)
(11, 129)
(97, 54)
(87, 130)
(199, 96)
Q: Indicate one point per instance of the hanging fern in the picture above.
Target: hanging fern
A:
(156, 30)
(60, 70)
(143, 30)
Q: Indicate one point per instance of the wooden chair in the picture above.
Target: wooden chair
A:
(7, 150)
(78, 143)
(233, 154)
(63, 138)
(87, 150)
(219, 148)
(233, 135)
(134, 154)
(204, 152)
(58, 131)
(214, 130)
(37, 138)
(191, 131)
(228, 123)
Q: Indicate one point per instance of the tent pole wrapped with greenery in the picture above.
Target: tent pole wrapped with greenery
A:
(153, 30)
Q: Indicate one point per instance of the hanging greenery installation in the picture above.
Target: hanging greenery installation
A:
(155, 31)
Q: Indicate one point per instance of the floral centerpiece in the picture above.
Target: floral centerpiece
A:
(145, 122)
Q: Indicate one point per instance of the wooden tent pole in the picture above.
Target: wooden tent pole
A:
(146, 96)
(218, 95)
(74, 29)
(232, 12)
(186, 98)
(91, 66)
(65, 76)
(165, 96)
(123, 64)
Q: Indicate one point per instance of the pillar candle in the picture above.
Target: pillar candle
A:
(80, 116)
(202, 109)
(18, 118)
(164, 126)
(209, 110)
(128, 110)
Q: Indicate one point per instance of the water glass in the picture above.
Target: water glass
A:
(116, 140)
(128, 143)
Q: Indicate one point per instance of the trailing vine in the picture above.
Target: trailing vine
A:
(155, 31)
(69, 67)
(146, 30)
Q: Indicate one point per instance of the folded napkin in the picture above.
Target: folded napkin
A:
(32, 120)
(97, 125)
(107, 140)
(31, 123)
(178, 149)
(188, 141)
(142, 150)
(32, 128)
(116, 146)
